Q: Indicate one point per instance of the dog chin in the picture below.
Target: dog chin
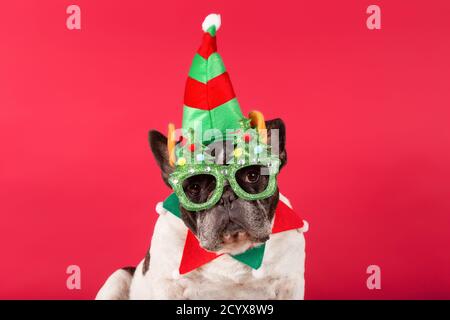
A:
(237, 247)
(234, 245)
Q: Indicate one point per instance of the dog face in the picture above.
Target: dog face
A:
(232, 225)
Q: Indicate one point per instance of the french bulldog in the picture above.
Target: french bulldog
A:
(231, 226)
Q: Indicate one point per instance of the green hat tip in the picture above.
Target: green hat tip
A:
(212, 31)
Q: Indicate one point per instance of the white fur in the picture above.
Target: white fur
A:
(116, 287)
(210, 20)
(281, 275)
(160, 209)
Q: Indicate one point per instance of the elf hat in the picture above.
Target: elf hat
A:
(209, 100)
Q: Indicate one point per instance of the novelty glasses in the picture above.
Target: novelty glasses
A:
(200, 186)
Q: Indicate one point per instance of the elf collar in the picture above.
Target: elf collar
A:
(194, 256)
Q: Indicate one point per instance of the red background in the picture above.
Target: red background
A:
(367, 114)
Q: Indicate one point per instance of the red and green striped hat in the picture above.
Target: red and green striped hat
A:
(209, 98)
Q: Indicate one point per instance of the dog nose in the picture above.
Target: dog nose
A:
(228, 196)
(234, 233)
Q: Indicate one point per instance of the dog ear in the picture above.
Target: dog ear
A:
(158, 145)
(280, 134)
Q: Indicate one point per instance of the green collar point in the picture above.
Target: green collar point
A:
(252, 257)
(172, 204)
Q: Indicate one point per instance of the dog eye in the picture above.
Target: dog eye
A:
(194, 188)
(252, 176)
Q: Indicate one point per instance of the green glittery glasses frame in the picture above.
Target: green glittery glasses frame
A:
(222, 173)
